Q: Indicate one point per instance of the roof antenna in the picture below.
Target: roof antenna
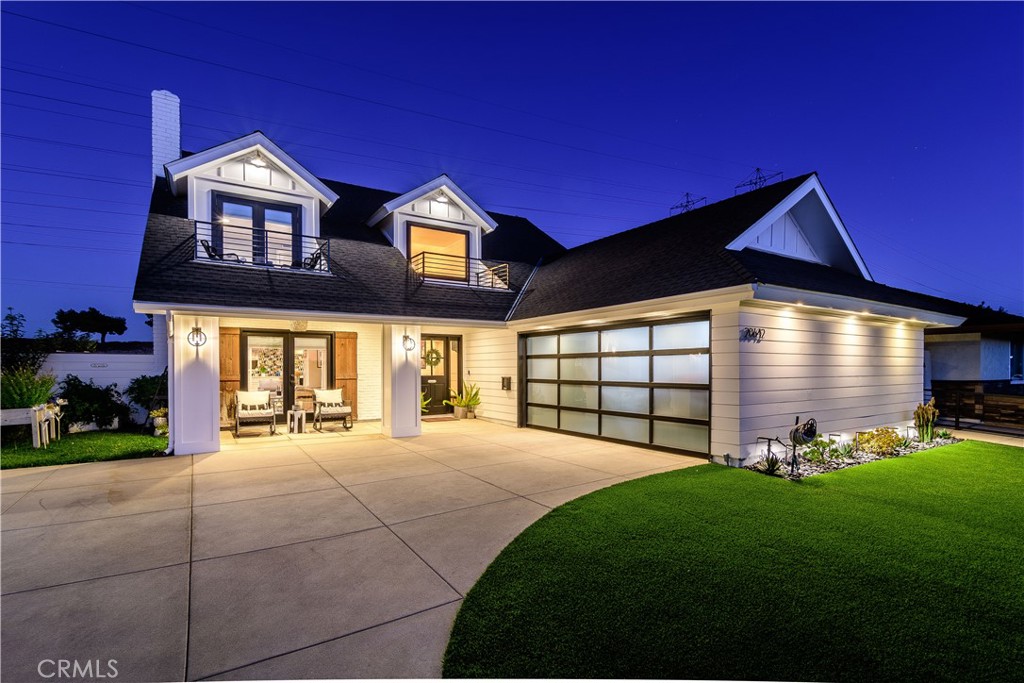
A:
(687, 203)
(756, 180)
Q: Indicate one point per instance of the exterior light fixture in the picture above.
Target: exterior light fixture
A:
(408, 343)
(257, 160)
(196, 337)
(441, 197)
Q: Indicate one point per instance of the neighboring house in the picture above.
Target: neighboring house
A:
(697, 333)
(976, 371)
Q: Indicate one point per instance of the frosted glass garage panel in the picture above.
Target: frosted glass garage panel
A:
(579, 369)
(695, 335)
(625, 369)
(579, 396)
(626, 399)
(542, 368)
(626, 339)
(536, 346)
(580, 342)
(682, 436)
(542, 417)
(542, 393)
(625, 428)
(690, 368)
(691, 403)
(584, 423)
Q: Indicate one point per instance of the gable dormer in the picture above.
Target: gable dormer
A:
(439, 229)
(805, 226)
(253, 204)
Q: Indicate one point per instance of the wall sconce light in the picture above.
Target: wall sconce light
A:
(408, 343)
(196, 337)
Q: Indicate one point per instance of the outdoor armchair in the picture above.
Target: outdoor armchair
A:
(328, 404)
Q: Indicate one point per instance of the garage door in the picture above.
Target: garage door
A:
(644, 384)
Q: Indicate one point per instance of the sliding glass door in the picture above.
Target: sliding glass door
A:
(288, 365)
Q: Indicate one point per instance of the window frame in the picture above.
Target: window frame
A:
(259, 231)
(410, 226)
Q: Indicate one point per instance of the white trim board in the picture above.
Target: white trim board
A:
(441, 183)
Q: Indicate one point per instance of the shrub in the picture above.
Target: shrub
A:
(924, 419)
(944, 434)
(89, 402)
(883, 441)
(843, 450)
(771, 465)
(148, 391)
(23, 388)
(818, 450)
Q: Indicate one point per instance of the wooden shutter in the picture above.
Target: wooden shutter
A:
(346, 368)
(230, 370)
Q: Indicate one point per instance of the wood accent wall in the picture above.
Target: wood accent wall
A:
(346, 368)
(230, 370)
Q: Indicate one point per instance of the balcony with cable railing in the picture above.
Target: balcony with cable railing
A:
(260, 248)
(448, 269)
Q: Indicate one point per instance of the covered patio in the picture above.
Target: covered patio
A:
(334, 555)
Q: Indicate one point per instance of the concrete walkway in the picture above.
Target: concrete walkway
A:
(278, 558)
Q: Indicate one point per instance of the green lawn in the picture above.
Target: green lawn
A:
(81, 447)
(902, 569)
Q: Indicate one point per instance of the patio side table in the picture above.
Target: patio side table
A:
(296, 421)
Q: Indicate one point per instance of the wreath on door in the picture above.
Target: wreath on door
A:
(432, 358)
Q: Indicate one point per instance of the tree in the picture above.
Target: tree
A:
(13, 326)
(70, 322)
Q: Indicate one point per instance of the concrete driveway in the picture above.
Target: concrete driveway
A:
(326, 557)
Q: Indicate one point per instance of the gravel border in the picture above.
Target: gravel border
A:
(806, 468)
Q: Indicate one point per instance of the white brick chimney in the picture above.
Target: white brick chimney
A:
(166, 129)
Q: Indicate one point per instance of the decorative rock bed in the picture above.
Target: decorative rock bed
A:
(807, 468)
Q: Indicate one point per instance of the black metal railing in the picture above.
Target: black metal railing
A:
(471, 271)
(248, 246)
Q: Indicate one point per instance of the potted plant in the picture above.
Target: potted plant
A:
(159, 417)
(471, 399)
(465, 402)
(424, 402)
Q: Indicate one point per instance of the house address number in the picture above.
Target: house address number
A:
(752, 334)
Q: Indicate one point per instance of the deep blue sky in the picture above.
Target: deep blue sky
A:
(586, 118)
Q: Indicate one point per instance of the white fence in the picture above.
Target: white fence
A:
(105, 369)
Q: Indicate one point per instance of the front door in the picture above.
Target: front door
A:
(440, 370)
(289, 366)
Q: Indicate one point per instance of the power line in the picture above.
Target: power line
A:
(65, 228)
(69, 196)
(75, 145)
(24, 281)
(69, 246)
(355, 98)
(77, 208)
(319, 57)
(35, 170)
(374, 141)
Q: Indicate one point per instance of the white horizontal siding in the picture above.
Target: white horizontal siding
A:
(847, 373)
(725, 382)
(491, 355)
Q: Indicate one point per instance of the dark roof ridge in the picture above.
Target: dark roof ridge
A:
(689, 215)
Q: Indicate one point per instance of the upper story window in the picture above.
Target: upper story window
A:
(260, 233)
(439, 252)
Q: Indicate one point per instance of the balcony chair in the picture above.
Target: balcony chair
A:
(254, 407)
(216, 254)
(329, 405)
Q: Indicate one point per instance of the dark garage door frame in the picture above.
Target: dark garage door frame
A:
(563, 359)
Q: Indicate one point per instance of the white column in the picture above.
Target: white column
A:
(195, 399)
(401, 381)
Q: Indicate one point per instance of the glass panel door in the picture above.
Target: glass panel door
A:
(310, 363)
(440, 371)
(264, 366)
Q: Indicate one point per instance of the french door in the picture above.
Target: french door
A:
(289, 365)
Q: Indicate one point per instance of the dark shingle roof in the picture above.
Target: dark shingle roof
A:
(368, 275)
(677, 255)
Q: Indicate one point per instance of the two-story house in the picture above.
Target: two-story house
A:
(697, 333)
